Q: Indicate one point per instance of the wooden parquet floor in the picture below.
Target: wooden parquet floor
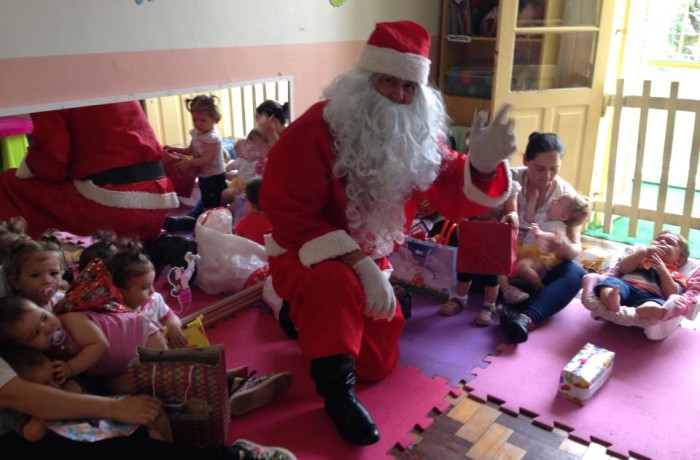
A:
(476, 430)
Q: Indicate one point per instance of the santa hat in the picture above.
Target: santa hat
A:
(399, 49)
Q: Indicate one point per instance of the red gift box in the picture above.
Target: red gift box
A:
(489, 248)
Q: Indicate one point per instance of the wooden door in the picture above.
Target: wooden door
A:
(550, 64)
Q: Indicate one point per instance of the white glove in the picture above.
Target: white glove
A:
(379, 294)
(489, 146)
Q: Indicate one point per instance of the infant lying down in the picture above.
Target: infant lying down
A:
(674, 309)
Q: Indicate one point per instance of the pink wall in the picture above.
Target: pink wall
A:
(57, 80)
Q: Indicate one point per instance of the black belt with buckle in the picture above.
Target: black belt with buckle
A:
(129, 174)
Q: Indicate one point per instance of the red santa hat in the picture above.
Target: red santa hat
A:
(399, 49)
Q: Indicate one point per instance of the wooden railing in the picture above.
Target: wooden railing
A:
(172, 122)
(612, 202)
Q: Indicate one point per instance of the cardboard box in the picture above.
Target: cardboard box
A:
(586, 373)
(598, 260)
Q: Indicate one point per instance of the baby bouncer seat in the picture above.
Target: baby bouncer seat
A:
(627, 316)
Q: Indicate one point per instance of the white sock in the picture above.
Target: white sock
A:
(489, 305)
(462, 298)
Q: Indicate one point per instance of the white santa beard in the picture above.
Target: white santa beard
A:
(384, 152)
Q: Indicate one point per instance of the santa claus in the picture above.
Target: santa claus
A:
(341, 185)
(90, 168)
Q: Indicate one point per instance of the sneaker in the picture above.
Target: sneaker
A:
(253, 451)
(453, 306)
(233, 374)
(487, 315)
(252, 392)
(513, 295)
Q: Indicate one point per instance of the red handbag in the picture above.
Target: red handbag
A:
(485, 247)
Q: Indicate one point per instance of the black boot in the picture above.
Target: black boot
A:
(335, 381)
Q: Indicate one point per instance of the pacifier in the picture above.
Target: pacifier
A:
(57, 336)
(48, 292)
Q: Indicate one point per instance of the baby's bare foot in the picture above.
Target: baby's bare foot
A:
(610, 298)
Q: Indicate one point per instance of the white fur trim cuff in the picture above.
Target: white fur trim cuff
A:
(479, 197)
(271, 247)
(328, 246)
(128, 200)
(411, 67)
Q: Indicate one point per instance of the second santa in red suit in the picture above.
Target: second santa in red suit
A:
(339, 188)
(90, 168)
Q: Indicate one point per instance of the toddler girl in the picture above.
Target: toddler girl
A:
(35, 269)
(205, 151)
(507, 212)
(95, 343)
(133, 274)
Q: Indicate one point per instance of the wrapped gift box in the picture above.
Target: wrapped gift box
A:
(487, 247)
(586, 373)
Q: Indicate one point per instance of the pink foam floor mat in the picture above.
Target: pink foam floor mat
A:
(298, 421)
(647, 408)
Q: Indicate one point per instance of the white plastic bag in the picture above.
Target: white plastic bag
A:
(224, 260)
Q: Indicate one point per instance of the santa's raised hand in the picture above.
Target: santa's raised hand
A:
(490, 145)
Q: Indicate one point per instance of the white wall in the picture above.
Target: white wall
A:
(66, 52)
(56, 27)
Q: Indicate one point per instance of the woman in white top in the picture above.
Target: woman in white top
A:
(540, 181)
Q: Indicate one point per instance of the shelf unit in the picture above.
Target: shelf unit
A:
(456, 50)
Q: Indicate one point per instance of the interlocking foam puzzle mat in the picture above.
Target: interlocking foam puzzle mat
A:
(298, 420)
(648, 407)
(447, 346)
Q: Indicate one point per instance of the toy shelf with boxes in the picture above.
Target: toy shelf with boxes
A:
(467, 57)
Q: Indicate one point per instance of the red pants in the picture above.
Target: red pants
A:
(327, 307)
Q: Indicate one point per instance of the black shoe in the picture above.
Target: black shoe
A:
(179, 223)
(352, 420)
(335, 382)
(516, 326)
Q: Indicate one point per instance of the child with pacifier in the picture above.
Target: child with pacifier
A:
(98, 344)
(35, 269)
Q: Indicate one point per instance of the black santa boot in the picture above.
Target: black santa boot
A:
(335, 382)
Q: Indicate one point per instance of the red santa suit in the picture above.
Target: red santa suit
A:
(306, 204)
(90, 168)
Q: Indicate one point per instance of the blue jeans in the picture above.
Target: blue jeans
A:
(630, 296)
(561, 284)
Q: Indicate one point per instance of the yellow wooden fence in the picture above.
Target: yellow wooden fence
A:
(674, 170)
